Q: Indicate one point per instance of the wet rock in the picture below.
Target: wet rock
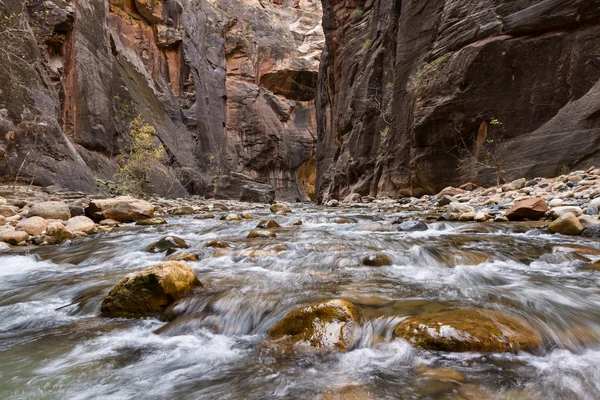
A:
(279, 207)
(51, 210)
(182, 256)
(261, 234)
(376, 227)
(204, 216)
(558, 211)
(595, 202)
(468, 216)
(218, 244)
(297, 223)
(281, 212)
(532, 209)
(267, 224)
(219, 206)
(469, 330)
(151, 221)
(57, 233)
(81, 224)
(566, 224)
(2, 220)
(246, 216)
(183, 210)
(4, 247)
(168, 244)
(343, 220)
(450, 191)
(442, 374)
(332, 203)
(122, 209)
(150, 291)
(593, 266)
(232, 217)
(455, 210)
(377, 260)
(329, 325)
(514, 185)
(14, 237)
(411, 226)
(33, 225)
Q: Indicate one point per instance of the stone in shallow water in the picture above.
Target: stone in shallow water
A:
(150, 291)
(411, 226)
(169, 244)
(261, 233)
(327, 325)
(267, 224)
(280, 207)
(152, 221)
(377, 260)
(469, 330)
(567, 224)
(182, 256)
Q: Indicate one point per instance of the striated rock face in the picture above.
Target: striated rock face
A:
(402, 80)
(229, 86)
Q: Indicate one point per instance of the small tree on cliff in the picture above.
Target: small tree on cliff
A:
(141, 153)
(489, 150)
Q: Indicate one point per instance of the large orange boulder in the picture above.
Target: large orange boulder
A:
(532, 209)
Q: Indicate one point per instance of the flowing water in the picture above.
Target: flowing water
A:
(54, 345)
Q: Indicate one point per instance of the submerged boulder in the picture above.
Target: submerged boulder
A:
(150, 291)
(469, 330)
(328, 325)
(168, 244)
(377, 260)
(122, 209)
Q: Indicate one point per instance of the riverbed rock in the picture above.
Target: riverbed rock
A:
(455, 210)
(122, 209)
(592, 232)
(33, 225)
(232, 217)
(51, 210)
(556, 212)
(514, 185)
(469, 330)
(57, 232)
(168, 244)
(81, 224)
(411, 226)
(14, 237)
(4, 247)
(377, 260)
(329, 325)
(588, 221)
(110, 223)
(151, 221)
(218, 244)
(246, 215)
(532, 209)
(450, 191)
(445, 200)
(566, 224)
(277, 207)
(182, 210)
(150, 291)
(352, 198)
(343, 220)
(267, 224)
(204, 216)
(2, 220)
(332, 203)
(261, 234)
(182, 256)
(8, 211)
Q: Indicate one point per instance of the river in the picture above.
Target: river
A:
(54, 344)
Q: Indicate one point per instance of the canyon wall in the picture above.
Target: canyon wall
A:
(401, 81)
(228, 86)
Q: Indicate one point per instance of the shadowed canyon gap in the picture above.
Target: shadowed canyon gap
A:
(230, 88)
